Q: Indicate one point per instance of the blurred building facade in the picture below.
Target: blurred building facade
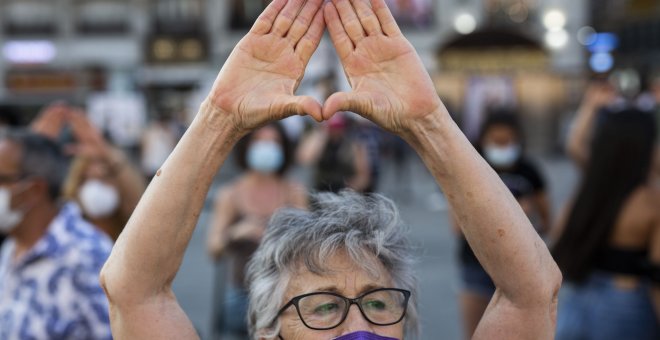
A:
(169, 51)
(636, 24)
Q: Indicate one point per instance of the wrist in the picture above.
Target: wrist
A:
(219, 123)
(436, 123)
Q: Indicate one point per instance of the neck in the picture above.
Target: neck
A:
(33, 227)
(262, 178)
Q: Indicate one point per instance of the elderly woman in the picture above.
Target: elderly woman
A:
(308, 290)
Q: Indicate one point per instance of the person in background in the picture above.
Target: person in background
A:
(608, 243)
(101, 179)
(50, 263)
(243, 208)
(501, 143)
(340, 160)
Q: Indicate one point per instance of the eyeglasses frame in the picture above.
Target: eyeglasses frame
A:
(355, 301)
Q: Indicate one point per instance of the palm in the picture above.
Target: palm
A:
(258, 82)
(390, 84)
(387, 73)
(260, 73)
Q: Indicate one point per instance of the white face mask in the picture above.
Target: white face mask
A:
(502, 157)
(9, 219)
(265, 157)
(98, 199)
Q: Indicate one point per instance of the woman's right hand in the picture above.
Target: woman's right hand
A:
(258, 81)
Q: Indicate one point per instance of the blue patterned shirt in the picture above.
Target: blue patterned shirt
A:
(53, 291)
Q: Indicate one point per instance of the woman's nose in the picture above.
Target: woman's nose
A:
(355, 322)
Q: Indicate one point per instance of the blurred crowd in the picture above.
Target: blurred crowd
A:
(66, 191)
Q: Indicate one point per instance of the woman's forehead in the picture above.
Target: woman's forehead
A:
(343, 276)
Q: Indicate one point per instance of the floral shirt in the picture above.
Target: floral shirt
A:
(53, 291)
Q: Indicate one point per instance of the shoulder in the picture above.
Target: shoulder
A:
(297, 193)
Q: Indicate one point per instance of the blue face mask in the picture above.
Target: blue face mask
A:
(362, 335)
(265, 157)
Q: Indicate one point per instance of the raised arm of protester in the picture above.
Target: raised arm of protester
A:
(392, 88)
(596, 97)
(256, 85)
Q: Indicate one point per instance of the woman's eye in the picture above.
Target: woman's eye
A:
(375, 305)
(326, 308)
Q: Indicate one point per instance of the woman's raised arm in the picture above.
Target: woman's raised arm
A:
(392, 88)
(255, 86)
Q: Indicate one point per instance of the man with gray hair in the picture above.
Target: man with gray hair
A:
(50, 262)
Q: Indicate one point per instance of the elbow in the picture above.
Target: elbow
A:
(555, 282)
(555, 279)
(116, 289)
(540, 290)
(550, 284)
(108, 284)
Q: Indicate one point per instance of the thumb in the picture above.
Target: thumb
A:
(345, 101)
(303, 105)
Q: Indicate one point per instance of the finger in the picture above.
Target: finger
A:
(287, 16)
(310, 42)
(387, 22)
(367, 17)
(302, 23)
(338, 35)
(345, 101)
(302, 105)
(265, 22)
(350, 20)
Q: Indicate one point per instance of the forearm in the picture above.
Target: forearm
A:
(492, 221)
(151, 248)
(578, 139)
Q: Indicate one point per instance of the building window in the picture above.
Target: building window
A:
(29, 17)
(178, 16)
(102, 16)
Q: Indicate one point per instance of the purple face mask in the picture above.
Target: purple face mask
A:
(362, 335)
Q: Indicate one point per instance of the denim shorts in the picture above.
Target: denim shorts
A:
(235, 311)
(475, 280)
(599, 309)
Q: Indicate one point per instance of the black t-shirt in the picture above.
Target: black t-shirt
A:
(524, 179)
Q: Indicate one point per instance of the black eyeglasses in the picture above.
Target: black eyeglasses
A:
(322, 311)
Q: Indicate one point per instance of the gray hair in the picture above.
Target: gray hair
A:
(368, 228)
(41, 158)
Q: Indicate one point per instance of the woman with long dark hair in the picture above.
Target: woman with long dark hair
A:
(609, 250)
